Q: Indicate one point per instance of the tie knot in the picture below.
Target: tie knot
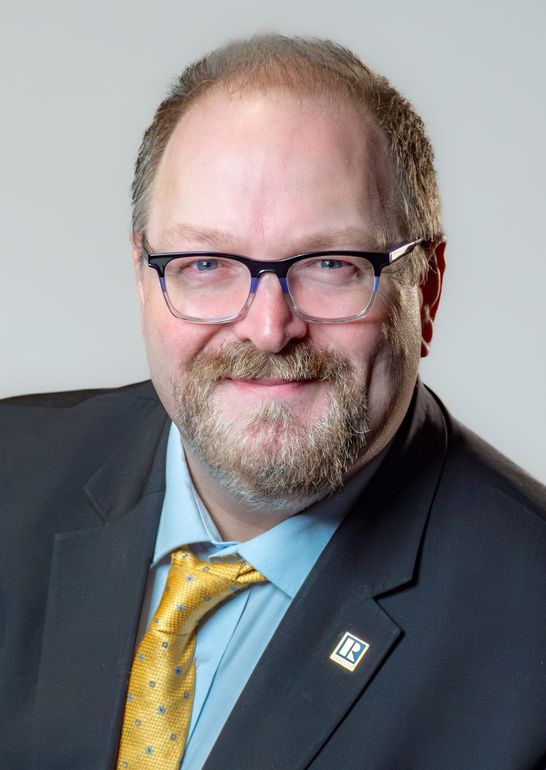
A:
(194, 587)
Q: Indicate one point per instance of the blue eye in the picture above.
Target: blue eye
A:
(206, 265)
(331, 264)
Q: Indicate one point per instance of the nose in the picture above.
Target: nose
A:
(270, 323)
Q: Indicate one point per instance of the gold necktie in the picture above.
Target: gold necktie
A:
(161, 687)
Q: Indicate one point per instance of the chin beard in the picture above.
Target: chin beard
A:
(271, 459)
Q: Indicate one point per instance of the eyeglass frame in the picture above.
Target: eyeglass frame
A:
(158, 261)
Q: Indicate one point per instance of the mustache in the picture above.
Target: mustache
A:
(243, 361)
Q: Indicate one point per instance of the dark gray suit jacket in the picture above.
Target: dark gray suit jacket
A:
(440, 567)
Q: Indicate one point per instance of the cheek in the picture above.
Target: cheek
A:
(397, 357)
(170, 343)
(171, 346)
(167, 339)
(359, 342)
(384, 348)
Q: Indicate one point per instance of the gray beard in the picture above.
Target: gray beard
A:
(270, 459)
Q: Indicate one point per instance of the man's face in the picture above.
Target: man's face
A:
(270, 176)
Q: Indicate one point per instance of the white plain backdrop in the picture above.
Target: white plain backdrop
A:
(80, 83)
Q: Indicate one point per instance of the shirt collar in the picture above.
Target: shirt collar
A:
(285, 554)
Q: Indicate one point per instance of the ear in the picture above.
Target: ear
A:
(136, 244)
(431, 290)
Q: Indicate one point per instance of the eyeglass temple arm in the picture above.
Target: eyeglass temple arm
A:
(401, 251)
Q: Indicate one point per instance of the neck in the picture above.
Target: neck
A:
(235, 518)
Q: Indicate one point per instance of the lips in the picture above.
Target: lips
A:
(271, 386)
(268, 381)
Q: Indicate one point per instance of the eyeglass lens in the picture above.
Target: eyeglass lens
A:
(211, 288)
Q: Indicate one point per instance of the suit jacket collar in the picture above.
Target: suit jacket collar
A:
(297, 695)
(385, 530)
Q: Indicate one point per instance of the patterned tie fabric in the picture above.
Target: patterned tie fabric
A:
(161, 687)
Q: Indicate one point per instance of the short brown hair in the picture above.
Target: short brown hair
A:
(305, 66)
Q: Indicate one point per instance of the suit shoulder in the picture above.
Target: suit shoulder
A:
(34, 423)
(482, 473)
(71, 398)
(487, 526)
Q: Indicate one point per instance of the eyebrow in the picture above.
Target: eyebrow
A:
(221, 240)
(211, 236)
(343, 238)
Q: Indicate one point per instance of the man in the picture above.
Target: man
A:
(289, 258)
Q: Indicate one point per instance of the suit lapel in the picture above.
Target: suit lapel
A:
(96, 585)
(297, 695)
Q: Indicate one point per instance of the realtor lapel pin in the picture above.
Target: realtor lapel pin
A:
(350, 651)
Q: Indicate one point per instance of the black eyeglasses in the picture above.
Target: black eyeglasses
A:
(335, 286)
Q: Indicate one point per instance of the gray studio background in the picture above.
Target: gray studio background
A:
(80, 83)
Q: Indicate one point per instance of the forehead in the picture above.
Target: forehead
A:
(276, 166)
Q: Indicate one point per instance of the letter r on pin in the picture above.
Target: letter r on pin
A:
(350, 651)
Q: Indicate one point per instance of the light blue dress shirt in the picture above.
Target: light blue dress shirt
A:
(233, 637)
